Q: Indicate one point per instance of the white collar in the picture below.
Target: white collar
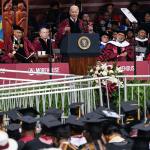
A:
(103, 43)
(73, 19)
(116, 139)
(118, 44)
(78, 141)
(141, 40)
(15, 38)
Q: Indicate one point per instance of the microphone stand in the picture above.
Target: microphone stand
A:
(134, 46)
(50, 59)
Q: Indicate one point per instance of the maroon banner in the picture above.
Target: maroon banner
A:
(142, 68)
(42, 68)
(59, 68)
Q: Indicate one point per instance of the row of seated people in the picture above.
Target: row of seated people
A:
(122, 45)
(20, 49)
(27, 129)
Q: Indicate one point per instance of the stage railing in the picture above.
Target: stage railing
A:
(61, 92)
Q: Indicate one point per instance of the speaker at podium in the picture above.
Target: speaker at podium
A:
(81, 49)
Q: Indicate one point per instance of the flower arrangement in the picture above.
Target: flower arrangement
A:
(107, 70)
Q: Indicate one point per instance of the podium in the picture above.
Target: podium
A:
(81, 50)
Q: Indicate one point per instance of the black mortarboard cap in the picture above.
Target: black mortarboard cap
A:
(95, 120)
(30, 111)
(93, 117)
(28, 119)
(74, 120)
(107, 112)
(55, 112)
(16, 27)
(14, 115)
(75, 109)
(13, 127)
(50, 121)
(46, 26)
(143, 129)
(28, 122)
(75, 105)
(13, 131)
(129, 106)
(105, 33)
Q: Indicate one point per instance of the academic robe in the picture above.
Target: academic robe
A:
(95, 145)
(124, 145)
(36, 144)
(142, 47)
(61, 30)
(26, 139)
(113, 49)
(40, 45)
(28, 48)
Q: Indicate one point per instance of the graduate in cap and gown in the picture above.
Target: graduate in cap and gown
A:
(141, 142)
(119, 50)
(28, 128)
(47, 138)
(18, 48)
(142, 43)
(76, 125)
(115, 141)
(93, 132)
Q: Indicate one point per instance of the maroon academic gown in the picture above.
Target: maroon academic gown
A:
(61, 30)
(41, 45)
(8, 48)
(110, 52)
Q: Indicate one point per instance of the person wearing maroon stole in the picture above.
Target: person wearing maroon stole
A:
(118, 50)
(70, 25)
(17, 48)
(43, 42)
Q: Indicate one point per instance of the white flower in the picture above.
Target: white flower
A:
(113, 76)
(96, 72)
(91, 70)
(104, 73)
(94, 76)
(113, 80)
(111, 71)
(98, 68)
(104, 66)
(119, 70)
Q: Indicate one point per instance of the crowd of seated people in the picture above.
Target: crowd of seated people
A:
(112, 27)
(28, 129)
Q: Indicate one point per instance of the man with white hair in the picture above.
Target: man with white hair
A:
(70, 25)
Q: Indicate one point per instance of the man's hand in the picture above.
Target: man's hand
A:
(11, 55)
(123, 54)
(67, 29)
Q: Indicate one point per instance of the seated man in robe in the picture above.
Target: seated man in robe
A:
(43, 42)
(142, 44)
(118, 50)
(18, 49)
